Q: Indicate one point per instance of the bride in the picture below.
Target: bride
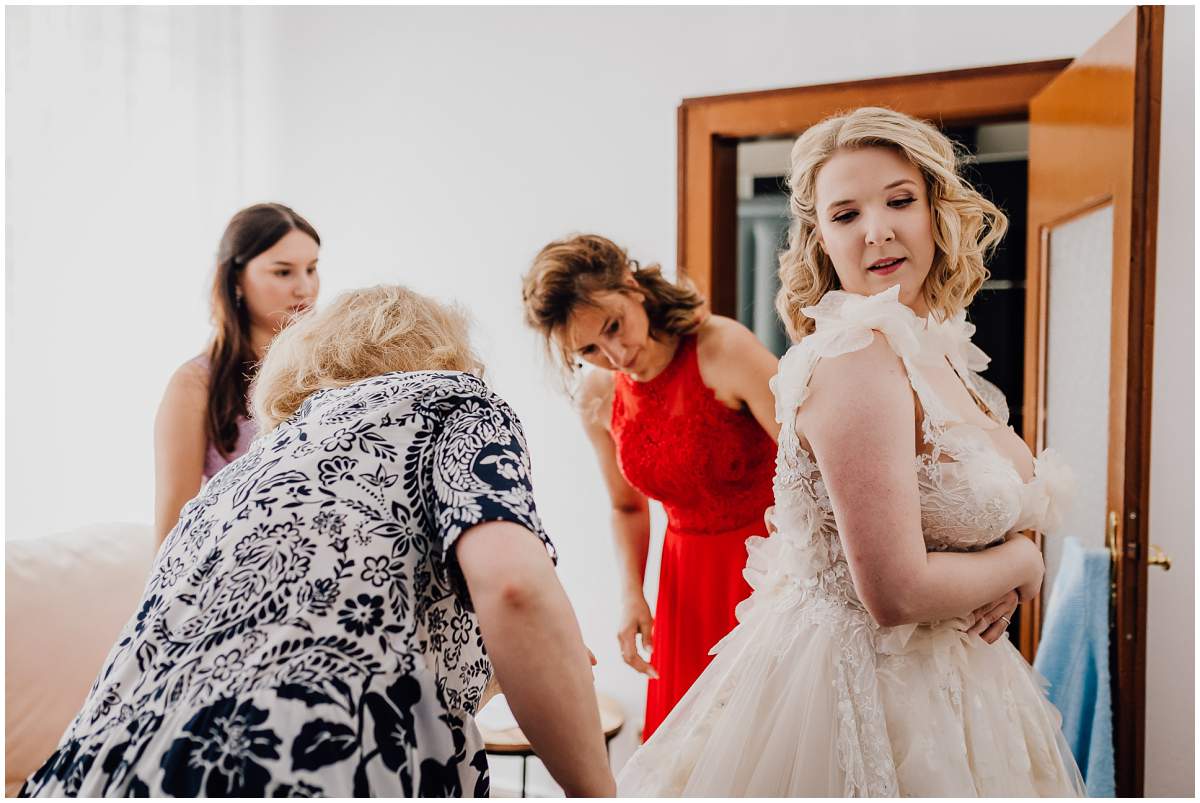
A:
(868, 660)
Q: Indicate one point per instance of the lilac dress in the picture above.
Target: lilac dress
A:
(214, 461)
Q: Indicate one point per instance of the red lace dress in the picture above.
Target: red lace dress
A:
(711, 468)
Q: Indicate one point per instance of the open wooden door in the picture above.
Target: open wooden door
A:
(1093, 192)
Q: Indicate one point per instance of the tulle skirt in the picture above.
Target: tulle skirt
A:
(807, 697)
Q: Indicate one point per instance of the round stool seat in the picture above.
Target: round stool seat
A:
(512, 742)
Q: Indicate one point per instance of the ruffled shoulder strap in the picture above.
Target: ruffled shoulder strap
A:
(952, 338)
(846, 322)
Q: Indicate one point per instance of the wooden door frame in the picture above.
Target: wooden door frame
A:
(1131, 366)
(711, 127)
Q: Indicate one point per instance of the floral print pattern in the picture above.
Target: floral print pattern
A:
(220, 753)
(306, 630)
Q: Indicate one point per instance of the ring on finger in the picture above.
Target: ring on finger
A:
(1007, 621)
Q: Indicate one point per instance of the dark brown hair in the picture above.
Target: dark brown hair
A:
(567, 273)
(231, 358)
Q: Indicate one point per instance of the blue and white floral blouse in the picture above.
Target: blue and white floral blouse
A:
(306, 629)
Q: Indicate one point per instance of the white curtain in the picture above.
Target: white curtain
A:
(126, 154)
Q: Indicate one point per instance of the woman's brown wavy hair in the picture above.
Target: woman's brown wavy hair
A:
(231, 358)
(569, 273)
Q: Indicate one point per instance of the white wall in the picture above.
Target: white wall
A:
(1170, 648)
(436, 147)
(125, 158)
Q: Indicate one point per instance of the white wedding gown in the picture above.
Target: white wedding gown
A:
(808, 696)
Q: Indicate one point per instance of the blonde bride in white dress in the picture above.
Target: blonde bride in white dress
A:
(870, 658)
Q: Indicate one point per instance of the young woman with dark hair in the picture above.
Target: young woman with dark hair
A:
(266, 275)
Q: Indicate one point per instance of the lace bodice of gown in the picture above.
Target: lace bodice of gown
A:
(971, 495)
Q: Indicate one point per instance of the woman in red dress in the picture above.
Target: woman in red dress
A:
(681, 412)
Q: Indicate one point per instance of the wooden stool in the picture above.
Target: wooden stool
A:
(511, 742)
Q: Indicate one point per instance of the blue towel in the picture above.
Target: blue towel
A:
(1073, 656)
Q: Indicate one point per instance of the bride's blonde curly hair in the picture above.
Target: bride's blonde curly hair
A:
(966, 226)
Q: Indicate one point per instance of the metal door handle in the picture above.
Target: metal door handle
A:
(1114, 555)
(1110, 537)
(1159, 558)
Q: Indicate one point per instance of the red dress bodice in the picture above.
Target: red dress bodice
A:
(709, 466)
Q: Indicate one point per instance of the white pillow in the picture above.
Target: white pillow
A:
(66, 596)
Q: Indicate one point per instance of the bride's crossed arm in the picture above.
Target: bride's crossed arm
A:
(859, 419)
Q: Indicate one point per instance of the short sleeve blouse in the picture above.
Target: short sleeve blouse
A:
(309, 599)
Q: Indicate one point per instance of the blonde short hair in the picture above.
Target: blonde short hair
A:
(966, 226)
(363, 333)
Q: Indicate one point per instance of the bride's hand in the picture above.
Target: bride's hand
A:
(1036, 566)
(990, 619)
(636, 620)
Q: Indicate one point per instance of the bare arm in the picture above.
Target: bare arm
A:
(739, 369)
(536, 647)
(630, 522)
(179, 445)
(859, 419)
